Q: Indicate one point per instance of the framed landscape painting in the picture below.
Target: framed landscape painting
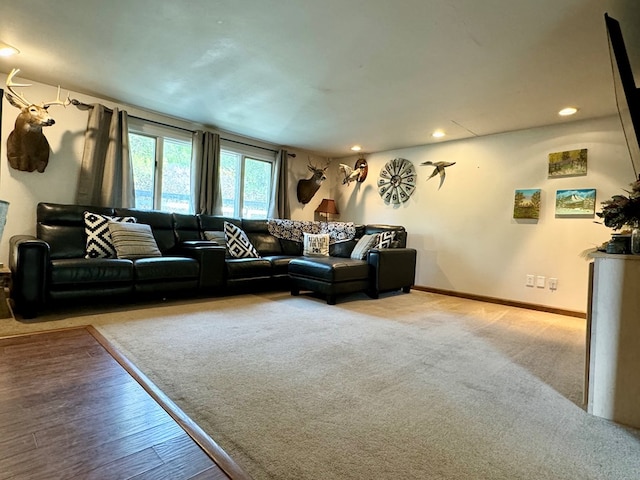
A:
(568, 164)
(576, 203)
(526, 203)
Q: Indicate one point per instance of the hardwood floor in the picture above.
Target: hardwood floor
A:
(68, 409)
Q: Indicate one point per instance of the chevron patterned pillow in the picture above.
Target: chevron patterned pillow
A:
(238, 244)
(385, 239)
(99, 243)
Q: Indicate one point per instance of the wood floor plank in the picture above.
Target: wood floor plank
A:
(126, 467)
(68, 409)
(181, 461)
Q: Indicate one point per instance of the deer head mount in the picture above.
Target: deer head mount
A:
(27, 147)
(307, 187)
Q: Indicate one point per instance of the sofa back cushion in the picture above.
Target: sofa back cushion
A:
(261, 239)
(216, 223)
(187, 227)
(63, 228)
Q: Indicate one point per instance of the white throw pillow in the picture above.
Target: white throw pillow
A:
(133, 240)
(238, 244)
(363, 246)
(96, 226)
(316, 245)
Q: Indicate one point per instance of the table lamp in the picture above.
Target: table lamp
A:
(327, 206)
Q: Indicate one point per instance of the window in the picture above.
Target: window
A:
(245, 178)
(162, 159)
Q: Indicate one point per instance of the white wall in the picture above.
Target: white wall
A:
(465, 234)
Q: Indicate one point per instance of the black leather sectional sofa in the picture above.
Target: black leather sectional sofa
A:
(51, 267)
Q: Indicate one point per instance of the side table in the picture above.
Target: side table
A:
(5, 284)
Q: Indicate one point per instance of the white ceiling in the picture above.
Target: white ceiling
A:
(326, 74)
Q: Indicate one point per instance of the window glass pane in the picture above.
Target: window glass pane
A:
(143, 154)
(176, 176)
(229, 176)
(256, 188)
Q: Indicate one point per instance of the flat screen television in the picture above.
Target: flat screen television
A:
(627, 94)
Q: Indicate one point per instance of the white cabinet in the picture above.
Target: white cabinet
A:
(613, 350)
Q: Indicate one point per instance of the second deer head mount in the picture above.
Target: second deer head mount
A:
(307, 187)
(27, 147)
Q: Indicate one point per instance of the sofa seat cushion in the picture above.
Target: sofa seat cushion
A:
(280, 264)
(165, 268)
(329, 269)
(82, 271)
(247, 268)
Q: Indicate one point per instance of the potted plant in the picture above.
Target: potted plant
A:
(623, 212)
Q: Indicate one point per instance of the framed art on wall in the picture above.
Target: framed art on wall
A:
(568, 164)
(526, 203)
(579, 202)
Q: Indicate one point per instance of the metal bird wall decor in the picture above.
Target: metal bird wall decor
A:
(439, 169)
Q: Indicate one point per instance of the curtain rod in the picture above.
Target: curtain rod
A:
(255, 146)
(86, 106)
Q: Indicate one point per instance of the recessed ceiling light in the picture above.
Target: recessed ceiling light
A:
(356, 148)
(438, 134)
(565, 112)
(7, 50)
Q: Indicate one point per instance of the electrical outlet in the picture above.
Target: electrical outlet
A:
(540, 281)
(530, 281)
(553, 283)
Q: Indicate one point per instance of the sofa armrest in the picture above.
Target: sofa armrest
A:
(211, 258)
(392, 269)
(29, 259)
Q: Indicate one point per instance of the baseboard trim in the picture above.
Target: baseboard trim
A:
(501, 301)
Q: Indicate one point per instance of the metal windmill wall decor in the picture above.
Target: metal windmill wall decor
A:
(397, 181)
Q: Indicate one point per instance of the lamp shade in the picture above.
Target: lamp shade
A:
(327, 206)
(4, 207)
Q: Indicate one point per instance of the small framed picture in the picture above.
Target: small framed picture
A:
(526, 203)
(576, 203)
(571, 163)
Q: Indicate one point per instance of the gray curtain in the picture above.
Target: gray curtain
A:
(279, 201)
(207, 196)
(106, 174)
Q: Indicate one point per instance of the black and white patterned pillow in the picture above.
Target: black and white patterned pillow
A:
(238, 244)
(385, 239)
(99, 243)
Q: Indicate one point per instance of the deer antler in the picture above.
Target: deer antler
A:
(57, 101)
(19, 97)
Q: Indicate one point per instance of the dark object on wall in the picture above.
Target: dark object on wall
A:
(307, 187)
(627, 94)
(27, 147)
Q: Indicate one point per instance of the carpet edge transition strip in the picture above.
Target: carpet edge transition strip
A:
(210, 447)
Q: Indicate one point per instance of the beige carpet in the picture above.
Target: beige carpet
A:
(417, 386)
